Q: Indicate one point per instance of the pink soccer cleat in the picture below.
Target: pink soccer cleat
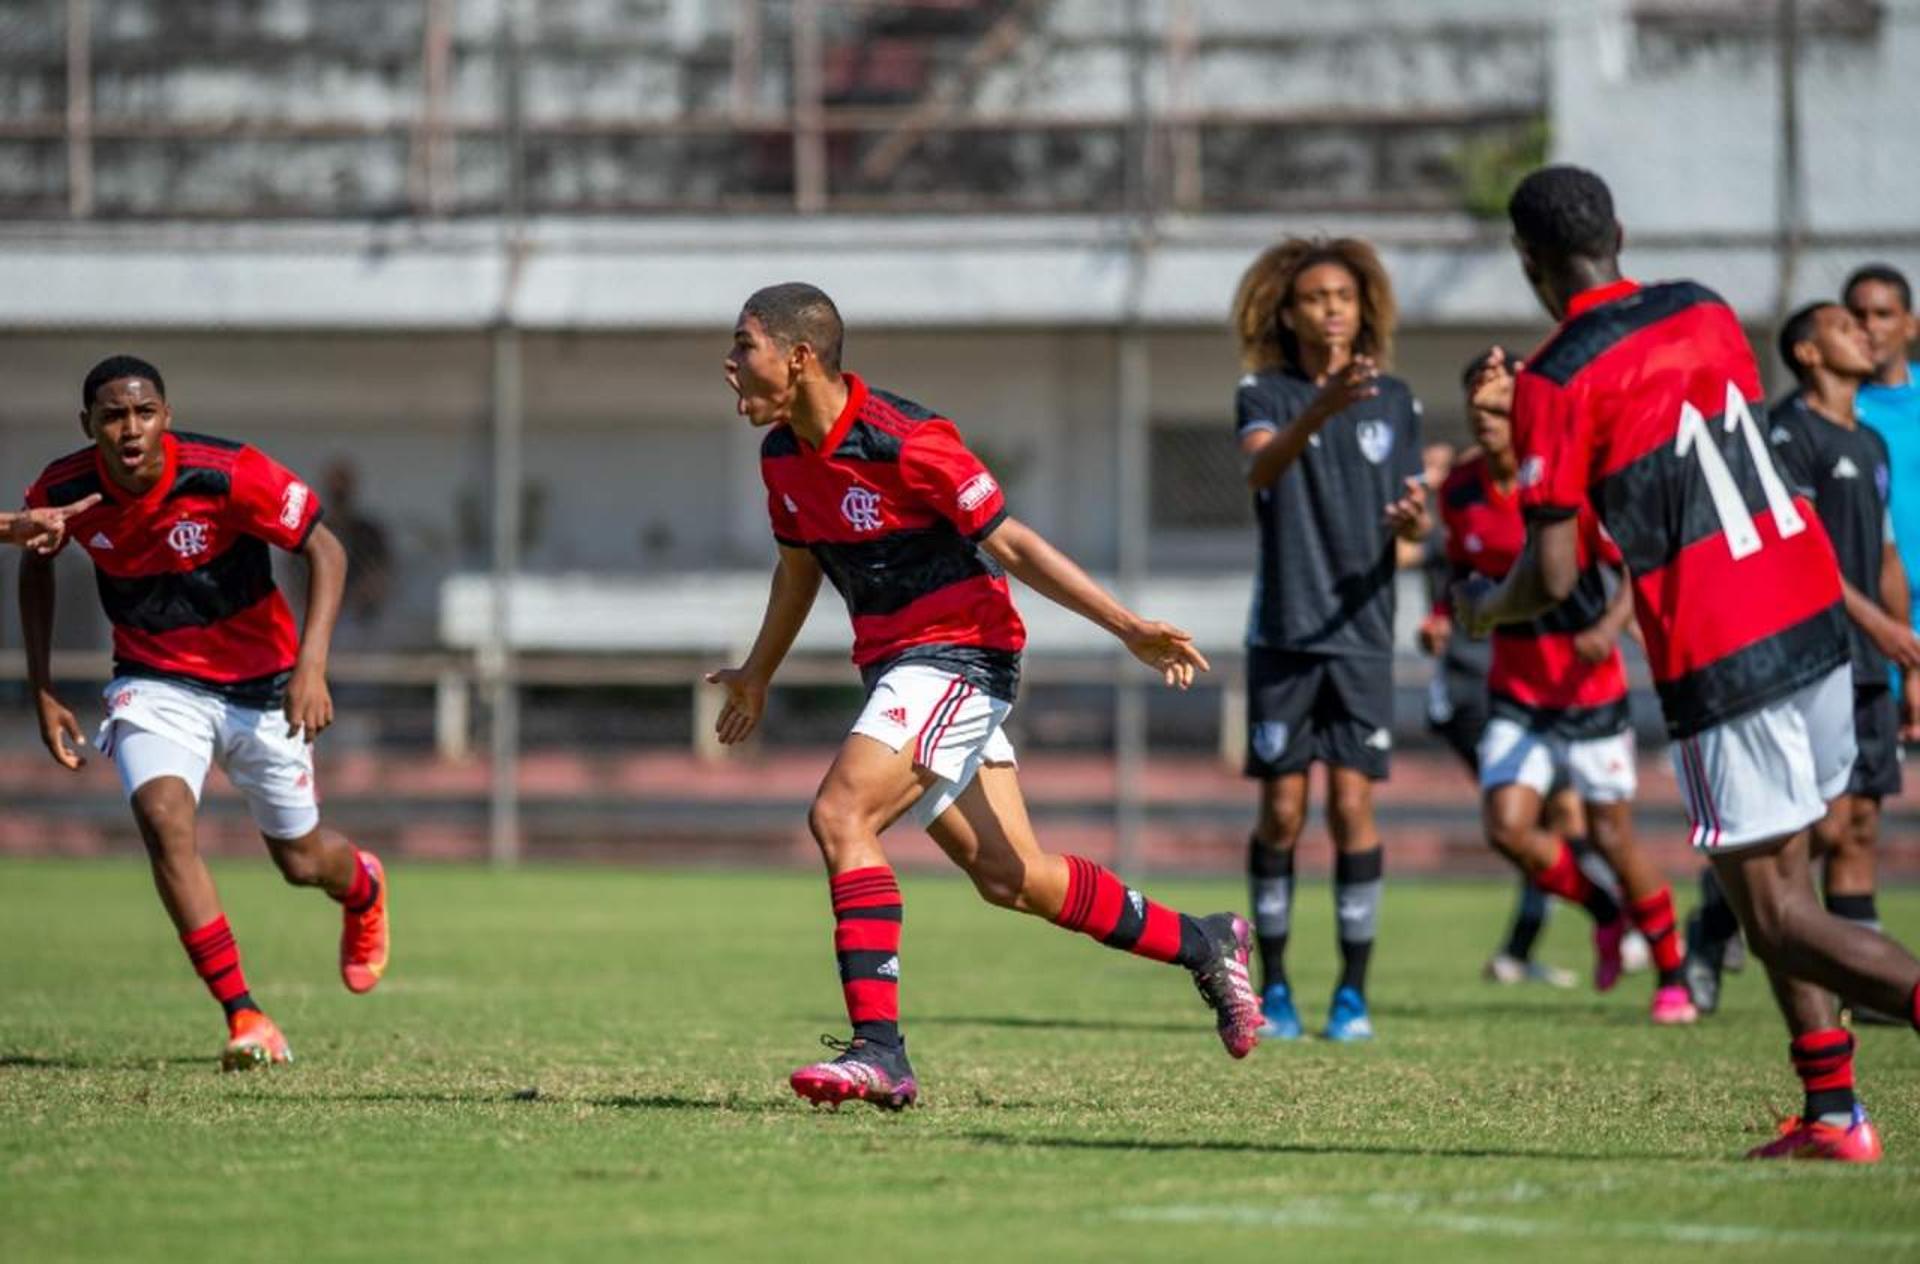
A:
(1673, 1006)
(1223, 983)
(865, 1071)
(1858, 1142)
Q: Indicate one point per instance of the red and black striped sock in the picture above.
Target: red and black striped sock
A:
(1101, 907)
(216, 959)
(866, 941)
(1653, 915)
(359, 897)
(1564, 879)
(1824, 1062)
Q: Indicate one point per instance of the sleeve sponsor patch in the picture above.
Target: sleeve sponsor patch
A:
(293, 505)
(977, 491)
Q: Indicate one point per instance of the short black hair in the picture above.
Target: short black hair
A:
(1565, 212)
(794, 312)
(112, 369)
(1886, 274)
(1479, 362)
(1797, 329)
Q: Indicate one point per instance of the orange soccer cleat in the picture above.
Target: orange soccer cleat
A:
(364, 939)
(1858, 1142)
(253, 1041)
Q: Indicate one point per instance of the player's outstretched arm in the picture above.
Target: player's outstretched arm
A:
(42, 530)
(796, 581)
(58, 728)
(309, 701)
(1027, 556)
(1541, 579)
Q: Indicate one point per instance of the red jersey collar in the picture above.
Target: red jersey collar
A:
(170, 450)
(1586, 300)
(856, 400)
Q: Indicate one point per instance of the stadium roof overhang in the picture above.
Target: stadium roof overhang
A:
(670, 274)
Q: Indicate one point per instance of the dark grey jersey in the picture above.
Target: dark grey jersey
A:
(1845, 473)
(1324, 583)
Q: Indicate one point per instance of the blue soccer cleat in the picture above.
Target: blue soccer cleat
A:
(1282, 1020)
(1347, 1019)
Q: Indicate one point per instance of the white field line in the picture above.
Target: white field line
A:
(1314, 1213)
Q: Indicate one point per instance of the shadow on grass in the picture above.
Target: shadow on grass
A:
(1025, 1023)
(1314, 1149)
(35, 1062)
(669, 1101)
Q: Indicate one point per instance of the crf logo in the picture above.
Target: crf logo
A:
(861, 508)
(187, 538)
(121, 700)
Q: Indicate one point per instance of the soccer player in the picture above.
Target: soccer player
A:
(1457, 709)
(882, 497)
(1559, 712)
(208, 667)
(1332, 451)
(1843, 467)
(1641, 406)
(1889, 402)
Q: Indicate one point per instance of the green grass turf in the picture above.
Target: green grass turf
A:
(1077, 1104)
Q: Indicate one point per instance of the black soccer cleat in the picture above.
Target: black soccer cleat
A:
(1706, 957)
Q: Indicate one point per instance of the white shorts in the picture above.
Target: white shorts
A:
(1770, 773)
(952, 726)
(156, 728)
(1600, 769)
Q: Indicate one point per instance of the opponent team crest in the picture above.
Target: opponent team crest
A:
(1269, 740)
(1376, 439)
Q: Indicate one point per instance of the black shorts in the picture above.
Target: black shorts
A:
(1331, 708)
(1876, 738)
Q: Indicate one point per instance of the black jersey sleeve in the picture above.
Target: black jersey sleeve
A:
(1256, 407)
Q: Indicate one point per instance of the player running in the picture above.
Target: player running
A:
(1332, 451)
(883, 498)
(1558, 687)
(208, 667)
(1640, 405)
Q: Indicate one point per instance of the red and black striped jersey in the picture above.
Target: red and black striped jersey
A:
(1643, 405)
(894, 507)
(183, 571)
(1536, 676)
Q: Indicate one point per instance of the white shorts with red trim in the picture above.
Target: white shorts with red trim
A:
(1770, 773)
(1600, 769)
(952, 727)
(156, 728)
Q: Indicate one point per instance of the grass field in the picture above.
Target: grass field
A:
(588, 1064)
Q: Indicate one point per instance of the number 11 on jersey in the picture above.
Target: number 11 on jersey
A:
(1729, 505)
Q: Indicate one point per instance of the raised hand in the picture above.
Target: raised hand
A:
(746, 702)
(1407, 516)
(1493, 386)
(1357, 381)
(1168, 650)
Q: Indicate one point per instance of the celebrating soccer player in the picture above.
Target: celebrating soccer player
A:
(1641, 406)
(882, 497)
(1332, 450)
(1559, 712)
(208, 667)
